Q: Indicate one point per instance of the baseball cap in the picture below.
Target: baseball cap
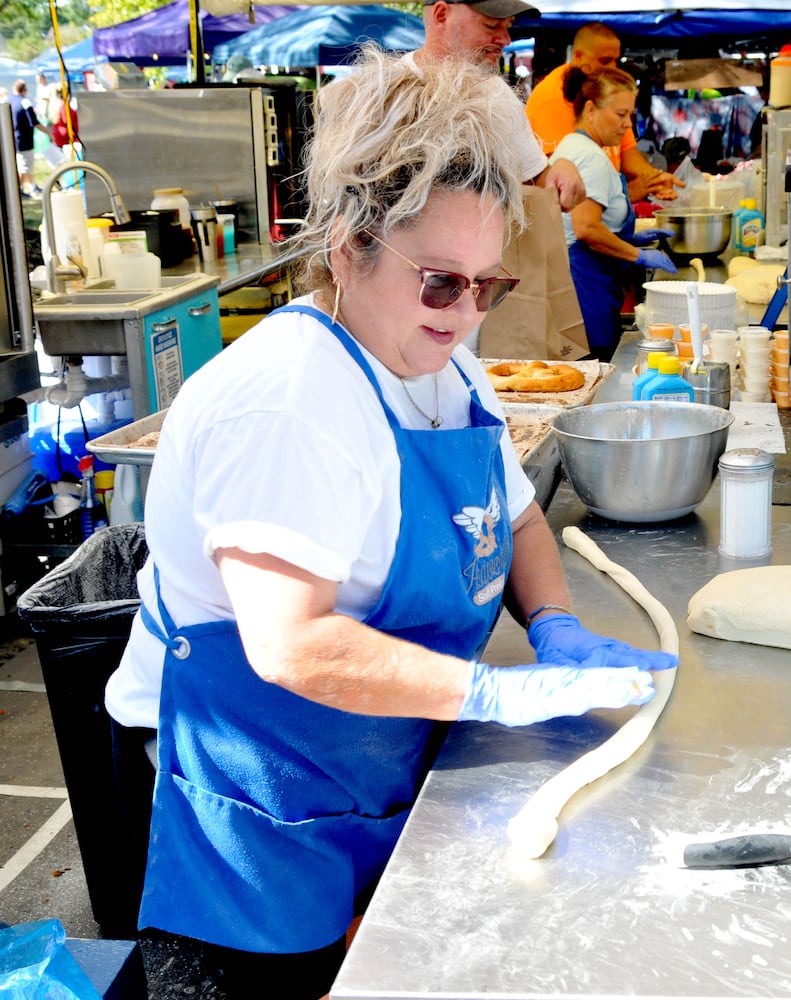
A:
(495, 8)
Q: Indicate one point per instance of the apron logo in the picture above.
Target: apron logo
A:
(486, 573)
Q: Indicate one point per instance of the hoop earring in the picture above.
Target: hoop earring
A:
(338, 293)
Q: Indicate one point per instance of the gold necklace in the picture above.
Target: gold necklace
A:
(435, 421)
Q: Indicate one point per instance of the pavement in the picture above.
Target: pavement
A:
(41, 873)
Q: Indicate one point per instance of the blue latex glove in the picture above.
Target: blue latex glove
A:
(522, 695)
(646, 236)
(656, 259)
(561, 639)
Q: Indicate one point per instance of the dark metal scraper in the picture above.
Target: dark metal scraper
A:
(751, 849)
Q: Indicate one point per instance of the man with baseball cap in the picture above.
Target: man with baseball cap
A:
(479, 31)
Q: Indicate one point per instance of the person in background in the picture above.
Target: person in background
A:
(59, 125)
(44, 92)
(551, 115)
(600, 232)
(334, 515)
(25, 124)
(479, 31)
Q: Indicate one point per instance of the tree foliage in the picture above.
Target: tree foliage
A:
(26, 27)
(105, 13)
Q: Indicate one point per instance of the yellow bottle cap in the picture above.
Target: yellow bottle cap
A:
(669, 365)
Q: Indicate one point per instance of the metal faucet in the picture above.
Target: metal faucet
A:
(56, 271)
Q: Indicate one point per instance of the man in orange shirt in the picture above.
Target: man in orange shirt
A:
(551, 116)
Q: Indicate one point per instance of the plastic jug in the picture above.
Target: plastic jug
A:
(669, 386)
(127, 505)
(650, 372)
(749, 225)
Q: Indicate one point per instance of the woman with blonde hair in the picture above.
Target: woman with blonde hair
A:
(333, 517)
(600, 231)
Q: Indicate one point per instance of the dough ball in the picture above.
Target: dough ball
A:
(746, 605)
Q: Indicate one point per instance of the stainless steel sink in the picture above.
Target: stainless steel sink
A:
(97, 320)
(111, 297)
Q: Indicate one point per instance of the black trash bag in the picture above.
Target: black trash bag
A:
(80, 615)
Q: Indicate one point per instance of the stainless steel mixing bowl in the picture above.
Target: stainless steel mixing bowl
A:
(697, 232)
(643, 461)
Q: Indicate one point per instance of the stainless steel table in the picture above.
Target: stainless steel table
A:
(609, 911)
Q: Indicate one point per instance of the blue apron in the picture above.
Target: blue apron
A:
(599, 282)
(272, 812)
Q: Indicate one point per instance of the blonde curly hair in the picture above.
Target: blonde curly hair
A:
(385, 138)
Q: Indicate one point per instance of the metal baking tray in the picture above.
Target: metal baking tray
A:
(539, 454)
(595, 373)
(117, 446)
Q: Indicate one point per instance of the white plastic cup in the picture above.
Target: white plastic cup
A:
(726, 338)
(754, 335)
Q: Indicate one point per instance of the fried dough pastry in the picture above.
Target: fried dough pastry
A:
(535, 376)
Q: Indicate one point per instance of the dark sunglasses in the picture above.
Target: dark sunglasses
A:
(440, 289)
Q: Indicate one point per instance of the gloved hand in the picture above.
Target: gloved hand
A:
(520, 696)
(646, 236)
(561, 639)
(656, 259)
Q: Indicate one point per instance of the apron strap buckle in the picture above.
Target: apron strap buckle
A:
(181, 648)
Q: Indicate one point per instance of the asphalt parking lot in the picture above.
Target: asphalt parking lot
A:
(41, 873)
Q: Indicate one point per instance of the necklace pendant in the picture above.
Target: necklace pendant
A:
(436, 422)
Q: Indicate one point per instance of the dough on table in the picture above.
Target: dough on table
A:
(745, 605)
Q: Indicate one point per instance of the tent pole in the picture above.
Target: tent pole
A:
(196, 42)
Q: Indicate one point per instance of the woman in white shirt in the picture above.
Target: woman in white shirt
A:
(334, 515)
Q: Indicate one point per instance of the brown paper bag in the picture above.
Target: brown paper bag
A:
(541, 318)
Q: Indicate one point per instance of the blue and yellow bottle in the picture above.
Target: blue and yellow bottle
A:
(669, 386)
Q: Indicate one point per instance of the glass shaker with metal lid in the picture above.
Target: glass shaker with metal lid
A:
(746, 503)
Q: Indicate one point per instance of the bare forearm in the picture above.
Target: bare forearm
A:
(601, 239)
(344, 664)
(294, 638)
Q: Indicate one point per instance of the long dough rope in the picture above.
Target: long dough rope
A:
(535, 826)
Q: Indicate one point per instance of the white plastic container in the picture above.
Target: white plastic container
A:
(170, 198)
(70, 224)
(127, 505)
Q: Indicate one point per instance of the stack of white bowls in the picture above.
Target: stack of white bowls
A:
(755, 363)
(723, 346)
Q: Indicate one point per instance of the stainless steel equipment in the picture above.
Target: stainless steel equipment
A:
(162, 335)
(219, 142)
(711, 381)
(642, 462)
(19, 372)
(776, 146)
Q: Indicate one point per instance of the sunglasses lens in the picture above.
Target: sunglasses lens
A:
(491, 293)
(441, 289)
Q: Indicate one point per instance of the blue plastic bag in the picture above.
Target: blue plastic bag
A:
(35, 965)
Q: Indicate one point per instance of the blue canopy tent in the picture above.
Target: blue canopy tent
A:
(162, 37)
(683, 22)
(76, 59)
(325, 36)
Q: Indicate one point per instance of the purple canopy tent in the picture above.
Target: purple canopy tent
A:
(162, 37)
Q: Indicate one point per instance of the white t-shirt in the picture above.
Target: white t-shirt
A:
(521, 133)
(602, 181)
(280, 445)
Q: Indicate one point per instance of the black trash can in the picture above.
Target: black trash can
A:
(80, 615)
